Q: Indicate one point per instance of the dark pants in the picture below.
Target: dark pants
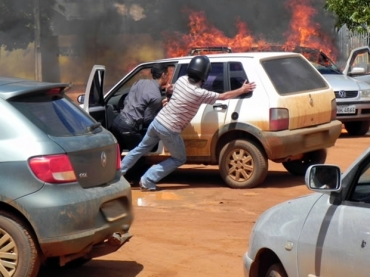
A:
(126, 132)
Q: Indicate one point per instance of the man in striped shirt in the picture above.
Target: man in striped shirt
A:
(187, 96)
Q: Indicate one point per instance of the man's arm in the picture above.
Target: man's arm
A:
(245, 88)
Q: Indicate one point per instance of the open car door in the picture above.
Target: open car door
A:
(358, 64)
(93, 102)
(105, 109)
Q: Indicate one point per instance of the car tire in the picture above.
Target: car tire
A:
(299, 167)
(357, 128)
(17, 240)
(276, 270)
(242, 164)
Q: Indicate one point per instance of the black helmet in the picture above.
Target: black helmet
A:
(199, 68)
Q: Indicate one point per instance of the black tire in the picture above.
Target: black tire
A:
(357, 128)
(242, 164)
(299, 167)
(276, 270)
(17, 240)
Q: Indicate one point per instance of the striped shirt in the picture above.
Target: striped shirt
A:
(184, 104)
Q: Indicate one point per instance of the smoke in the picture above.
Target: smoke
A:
(122, 33)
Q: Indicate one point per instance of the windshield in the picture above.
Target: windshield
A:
(321, 62)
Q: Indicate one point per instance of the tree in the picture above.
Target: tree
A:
(355, 14)
(17, 22)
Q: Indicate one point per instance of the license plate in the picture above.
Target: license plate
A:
(314, 139)
(346, 109)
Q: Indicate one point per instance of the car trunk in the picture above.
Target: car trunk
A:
(93, 157)
(307, 109)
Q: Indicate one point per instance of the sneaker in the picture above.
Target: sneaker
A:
(143, 188)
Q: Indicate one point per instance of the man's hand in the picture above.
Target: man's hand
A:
(165, 101)
(169, 88)
(247, 87)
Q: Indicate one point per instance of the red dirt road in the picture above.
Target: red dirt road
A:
(198, 227)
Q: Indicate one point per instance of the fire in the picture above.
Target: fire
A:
(302, 32)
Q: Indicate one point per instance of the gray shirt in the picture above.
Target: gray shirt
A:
(143, 102)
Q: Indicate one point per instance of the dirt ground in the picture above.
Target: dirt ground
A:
(198, 227)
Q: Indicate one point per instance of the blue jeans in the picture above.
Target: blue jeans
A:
(171, 140)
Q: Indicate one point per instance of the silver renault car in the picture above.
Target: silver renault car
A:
(322, 234)
(62, 197)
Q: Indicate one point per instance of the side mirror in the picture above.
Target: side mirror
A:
(81, 98)
(323, 178)
(357, 70)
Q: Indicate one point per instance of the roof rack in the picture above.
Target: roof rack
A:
(212, 49)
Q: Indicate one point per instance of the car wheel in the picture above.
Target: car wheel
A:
(276, 270)
(242, 164)
(18, 252)
(299, 167)
(357, 128)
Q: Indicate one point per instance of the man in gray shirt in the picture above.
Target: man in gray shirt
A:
(141, 105)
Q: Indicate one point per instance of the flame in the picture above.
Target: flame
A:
(302, 32)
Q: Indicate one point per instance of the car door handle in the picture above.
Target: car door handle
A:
(222, 106)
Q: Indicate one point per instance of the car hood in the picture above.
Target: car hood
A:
(294, 210)
(343, 82)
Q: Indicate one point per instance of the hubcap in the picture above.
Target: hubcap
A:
(240, 165)
(8, 254)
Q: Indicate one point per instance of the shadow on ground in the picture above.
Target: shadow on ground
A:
(96, 268)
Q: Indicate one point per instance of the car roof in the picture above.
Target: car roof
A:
(256, 55)
(13, 87)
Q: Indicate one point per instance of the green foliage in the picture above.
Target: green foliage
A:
(17, 22)
(355, 14)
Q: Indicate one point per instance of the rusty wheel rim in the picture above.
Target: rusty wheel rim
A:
(8, 254)
(240, 165)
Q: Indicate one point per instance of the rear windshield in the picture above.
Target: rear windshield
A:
(292, 75)
(55, 115)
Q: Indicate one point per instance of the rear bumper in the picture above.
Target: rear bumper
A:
(78, 220)
(282, 145)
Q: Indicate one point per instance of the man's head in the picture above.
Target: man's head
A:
(199, 68)
(160, 72)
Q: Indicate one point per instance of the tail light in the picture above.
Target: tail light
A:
(279, 119)
(53, 168)
(118, 163)
(333, 115)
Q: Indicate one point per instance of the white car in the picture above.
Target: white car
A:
(289, 118)
(351, 86)
(321, 234)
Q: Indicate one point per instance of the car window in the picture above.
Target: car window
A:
(96, 93)
(55, 115)
(320, 61)
(361, 191)
(215, 81)
(362, 60)
(143, 73)
(237, 75)
(293, 75)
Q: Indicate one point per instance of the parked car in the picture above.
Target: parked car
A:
(351, 86)
(289, 118)
(321, 234)
(62, 196)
